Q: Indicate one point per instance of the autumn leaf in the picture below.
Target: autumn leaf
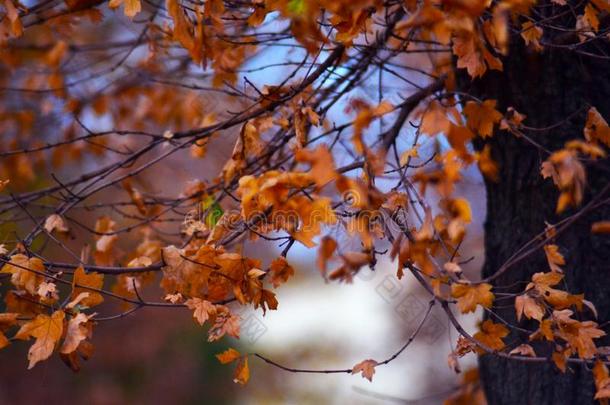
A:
(470, 295)
(528, 306)
(322, 165)
(26, 273)
(7, 320)
(325, 252)
(532, 34)
(487, 165)
(225, 323)
(47, 330)
(55, 223)
(568, 174)
(602, 380)
(75, 333)
(524, 350)
(202, 309)
(601, 227)
(434, 120)
(228, 356)
(559, 299)
(366, 367)
(481, 117)
(132, 7)
(554, 258)
(596, 128)
(491, 335)
(242, 372)
(81, 280)
(280, 271)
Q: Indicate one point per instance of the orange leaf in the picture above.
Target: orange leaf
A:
(47, 330)
(491, 335)
(91, 280)
(524, 350)
(481, 117)
(366, 367)
(75, 333)
(202, 309)
(280, 271)
(601, 227)
(228, 356)
(242, 372)
(471, 295)
(554, 258)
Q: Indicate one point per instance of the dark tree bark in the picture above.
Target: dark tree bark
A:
(548, 87)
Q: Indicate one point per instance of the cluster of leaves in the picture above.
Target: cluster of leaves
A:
(285, 181)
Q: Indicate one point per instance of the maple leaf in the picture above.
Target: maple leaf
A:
(6, 321)
(132, 7)
(322, 165)
(366, 367)
(524, 350)
(481, 117)
(202, 309)
(532, 34)
(228, 356)
(25, 272)
(543, 282)
(325, 252)
(470, 295)
(55, 222)
(225, 323)
(578, 334)
(554, 258)
(596, 128)
(75, 333)
(13, 17)
(92, 280)
(568, 174)
(528, 306)
(280, 271)
(434, 120)
(487, 165)
(602, 380)
(47, 330)
(491, 335)
(242, 372)
(472, 54)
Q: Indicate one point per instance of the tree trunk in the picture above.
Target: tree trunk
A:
(548, 87)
